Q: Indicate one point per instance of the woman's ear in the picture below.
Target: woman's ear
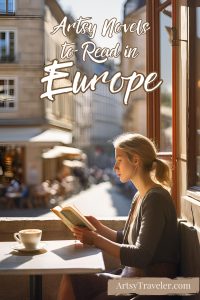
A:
(136, 159)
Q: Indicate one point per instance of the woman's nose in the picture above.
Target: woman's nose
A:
(115, 167)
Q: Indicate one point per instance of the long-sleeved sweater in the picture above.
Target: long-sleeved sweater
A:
(154, 233)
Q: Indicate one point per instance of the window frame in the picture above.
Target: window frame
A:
(153, 65)
(7, 13)
(153, 99)
(15, 108)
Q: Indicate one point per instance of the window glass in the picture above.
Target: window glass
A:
(2, 45)
(12, 45)
(7, 46)
(198, 94)
(11, 6)
(166, 75)
(7, 6)
(7, 94)
(2, 6)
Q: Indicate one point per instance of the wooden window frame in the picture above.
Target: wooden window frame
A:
(153, 99)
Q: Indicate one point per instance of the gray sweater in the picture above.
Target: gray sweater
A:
(154, 234)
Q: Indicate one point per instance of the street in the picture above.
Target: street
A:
(102, 200)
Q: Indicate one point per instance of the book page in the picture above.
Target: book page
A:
(73, 218)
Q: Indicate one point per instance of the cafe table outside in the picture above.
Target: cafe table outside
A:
(55, 257)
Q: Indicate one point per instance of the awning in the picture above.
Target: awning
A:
(68, 150)
(59, 151)
(52, 153)
(73, 164)
(53, 135)
(20, 135)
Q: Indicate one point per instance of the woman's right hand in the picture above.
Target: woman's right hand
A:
(96, 223)
(103, 229)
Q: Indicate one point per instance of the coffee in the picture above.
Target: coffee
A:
(30, 238)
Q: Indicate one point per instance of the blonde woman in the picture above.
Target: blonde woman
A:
(148, 244)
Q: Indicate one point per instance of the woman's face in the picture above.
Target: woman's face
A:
(123, 167)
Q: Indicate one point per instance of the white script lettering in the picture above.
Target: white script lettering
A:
(132, 83)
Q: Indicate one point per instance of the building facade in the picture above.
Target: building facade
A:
(27, 124)
(134, 117)
(99, 113)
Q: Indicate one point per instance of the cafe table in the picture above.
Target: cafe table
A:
(54, 257)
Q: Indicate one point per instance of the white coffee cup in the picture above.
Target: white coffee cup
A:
(30, 238)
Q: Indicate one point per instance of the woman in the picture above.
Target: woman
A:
(148, 244)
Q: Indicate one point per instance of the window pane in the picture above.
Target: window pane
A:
(10, 6)
(7, 92)
(11, 82)
(12, 49)
(2, 6)
(7, 6)
(7, 46)
(198, 93)
(2, 44)
(2, 90)
(166, 75)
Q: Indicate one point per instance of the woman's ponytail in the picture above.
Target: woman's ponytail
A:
(162, 172)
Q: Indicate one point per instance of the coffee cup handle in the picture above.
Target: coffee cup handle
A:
(16, 236)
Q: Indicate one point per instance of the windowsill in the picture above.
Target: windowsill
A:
(5, 63)
(190, 210)
(7, 14)
(8, 110)
(194, 193)
(8, 61)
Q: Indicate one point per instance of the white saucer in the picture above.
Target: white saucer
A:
(20, 247)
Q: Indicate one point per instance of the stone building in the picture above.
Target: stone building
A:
(98, 117)
(28, 125)
(135, 114)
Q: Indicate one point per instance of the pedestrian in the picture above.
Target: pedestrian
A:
(147, 247)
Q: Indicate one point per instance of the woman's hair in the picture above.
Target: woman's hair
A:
(132, 143)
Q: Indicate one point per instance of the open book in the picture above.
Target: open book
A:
(71, 216)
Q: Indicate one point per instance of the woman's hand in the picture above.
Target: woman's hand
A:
(96, 223)
(102, 229)
(90, 237)
(84, 235)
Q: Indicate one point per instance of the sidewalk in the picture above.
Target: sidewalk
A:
(102, 200)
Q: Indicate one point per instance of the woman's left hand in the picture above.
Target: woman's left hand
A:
(84, 235)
